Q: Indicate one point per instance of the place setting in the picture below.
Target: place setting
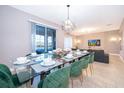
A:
(68, 57)
(85, 52)
(33, 55)
(48, 62)
(21, 61)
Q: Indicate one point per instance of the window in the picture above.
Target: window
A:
(51, 39)
(43, 38)
(40, 38)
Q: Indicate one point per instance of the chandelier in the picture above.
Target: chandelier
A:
(68, 25)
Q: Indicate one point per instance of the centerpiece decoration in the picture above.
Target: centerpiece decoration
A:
(59, 53)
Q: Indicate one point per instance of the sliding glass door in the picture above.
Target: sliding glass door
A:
(51, 39)
(40, 39)
(44, 39)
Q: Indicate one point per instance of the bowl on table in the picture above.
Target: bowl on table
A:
(22, 60)
(85, 51)
(78, 53)
(69, 56)
(78, 50)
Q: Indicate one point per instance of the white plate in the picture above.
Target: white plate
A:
(69, 57)
(33, 54)
(38, 59)
(18, 63)
(48, 63)
(78, 53)
(85, 52)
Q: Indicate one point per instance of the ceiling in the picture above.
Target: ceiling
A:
(88, 18)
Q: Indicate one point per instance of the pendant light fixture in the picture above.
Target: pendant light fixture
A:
(68, 25)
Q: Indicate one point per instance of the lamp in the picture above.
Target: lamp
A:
(68, 25)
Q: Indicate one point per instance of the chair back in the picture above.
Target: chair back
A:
(57, 79)
(91, 57)
(5, 77)
(76, 69)
(5, 69)
(85, 61)
(3, 84)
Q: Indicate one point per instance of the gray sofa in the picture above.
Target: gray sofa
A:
(100, 56)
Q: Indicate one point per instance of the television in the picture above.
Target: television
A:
(95, 42)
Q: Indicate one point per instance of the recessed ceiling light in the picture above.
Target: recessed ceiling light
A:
(108, 24)
(87, 29)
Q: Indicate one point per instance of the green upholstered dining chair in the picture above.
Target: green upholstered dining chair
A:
(76, 71)
(91, 62)
(57, 79)
(5, 84)
(85, 61)
(7, 80)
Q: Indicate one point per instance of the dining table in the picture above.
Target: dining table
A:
(36, 65)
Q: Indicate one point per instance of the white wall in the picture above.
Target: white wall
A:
(122, 39)
(106, 43)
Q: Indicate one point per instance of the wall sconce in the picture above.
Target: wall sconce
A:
(78, 41)
(119, 38)
(113, 39)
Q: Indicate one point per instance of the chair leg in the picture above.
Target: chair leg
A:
(82, 76)
(86, 72)
(91, 69)
(80, 79)
(28, 84)
(32, 79)
(72, 82)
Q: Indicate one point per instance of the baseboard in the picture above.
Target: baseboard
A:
(121, 58)
(114, 54)
(118, 55)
